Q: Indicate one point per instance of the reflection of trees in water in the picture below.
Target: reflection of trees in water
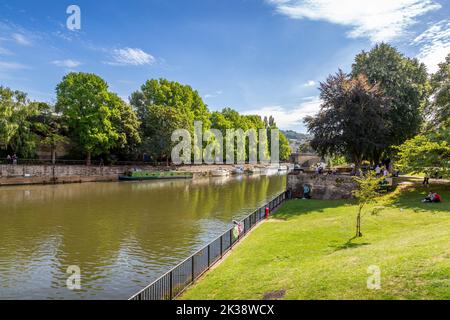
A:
(151, 224)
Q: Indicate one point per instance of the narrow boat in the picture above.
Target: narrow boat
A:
(148, 175)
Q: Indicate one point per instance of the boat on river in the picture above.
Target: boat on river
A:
(220, 173)
(270, 170)
(237, 171)
(155, 175)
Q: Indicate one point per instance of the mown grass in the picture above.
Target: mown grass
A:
(305, 249)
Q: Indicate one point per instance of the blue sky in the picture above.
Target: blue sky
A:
(258, 56)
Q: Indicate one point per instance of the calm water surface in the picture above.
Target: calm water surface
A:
(121, 235)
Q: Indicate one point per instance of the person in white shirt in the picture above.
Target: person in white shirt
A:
(378, 170)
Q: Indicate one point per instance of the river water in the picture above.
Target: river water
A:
(122, 236)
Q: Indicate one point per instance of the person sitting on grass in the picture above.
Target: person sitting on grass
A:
(306, 192)
(437, 198)
(432, 198)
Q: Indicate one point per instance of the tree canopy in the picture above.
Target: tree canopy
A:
(438, 111)
(163, 106)
(16, 126)
(90, 112)
(404, 81)
(427, 153)
(91, 120)
(352, 120)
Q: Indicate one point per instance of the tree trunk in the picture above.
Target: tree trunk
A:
(88, 159)
(358, 166)
(358, 224)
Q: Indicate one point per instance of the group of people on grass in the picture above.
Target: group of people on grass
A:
(379, 171)
(432, 197)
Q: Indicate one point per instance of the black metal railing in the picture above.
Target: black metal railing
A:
(174, 282)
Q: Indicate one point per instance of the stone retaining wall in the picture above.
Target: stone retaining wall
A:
(324, 187)
(49, 174)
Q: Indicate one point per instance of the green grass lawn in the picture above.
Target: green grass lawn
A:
(305, 251)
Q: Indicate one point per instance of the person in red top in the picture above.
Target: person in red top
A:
(437, 198)
(433, 197)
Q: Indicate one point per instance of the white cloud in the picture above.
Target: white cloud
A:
(11, 66)
(435, 42)
(381, 20)
(130, 56)
(289, 118)
(310, 83)
(68, 63)
(213, 95)
(4, 51)
(21, 39)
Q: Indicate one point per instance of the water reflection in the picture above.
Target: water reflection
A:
(122, 235)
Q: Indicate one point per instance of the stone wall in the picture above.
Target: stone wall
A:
(48, 174)
(325, 187)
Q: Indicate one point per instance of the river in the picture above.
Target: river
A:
(121, 235)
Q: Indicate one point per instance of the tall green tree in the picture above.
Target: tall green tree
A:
(404, 81)
(285, 149)
(352, 120)
(160, 122)
(10, 102)
(427, 153)
(50, 129)
(167, 93)
(127, 124)
(438, 111)
(87, 110)
(16, 127)
(184, 105)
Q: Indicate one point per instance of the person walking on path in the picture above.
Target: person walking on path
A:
(426, 180)
(378, 170)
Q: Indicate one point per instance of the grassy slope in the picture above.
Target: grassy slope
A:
(304, 250)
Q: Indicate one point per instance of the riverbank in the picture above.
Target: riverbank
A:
(60, 174)
(304, 252)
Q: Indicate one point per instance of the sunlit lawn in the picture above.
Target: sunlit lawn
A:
(305, 251)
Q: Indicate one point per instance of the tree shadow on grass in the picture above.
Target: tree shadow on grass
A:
(298, 207)
(412, 197)
(349, 245)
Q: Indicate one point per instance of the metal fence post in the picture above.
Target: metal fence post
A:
(209, 255)
(193, 268)
(231, 238)
(171, 285)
